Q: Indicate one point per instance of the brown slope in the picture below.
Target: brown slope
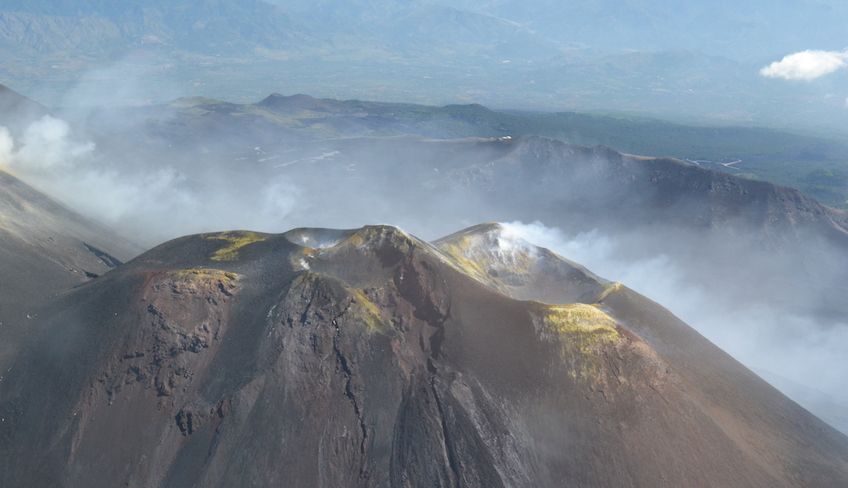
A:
(694, 358)
(370, 358)
(45, 248)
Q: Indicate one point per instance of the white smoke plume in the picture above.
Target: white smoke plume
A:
(47, 144)
(164, 201)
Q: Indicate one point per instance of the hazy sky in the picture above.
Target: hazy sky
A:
(777, 62)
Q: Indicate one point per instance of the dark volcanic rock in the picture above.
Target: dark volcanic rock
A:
(371, 358)
(44, 249)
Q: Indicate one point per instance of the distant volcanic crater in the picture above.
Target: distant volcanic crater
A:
(368, 357)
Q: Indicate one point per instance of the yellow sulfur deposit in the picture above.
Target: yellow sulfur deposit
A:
(457, 252)
(587, 323)
(378, 234)
(202, 281)
(205, 274)
(609, 290)
(370, 313)
(583, 331)
(235, 241)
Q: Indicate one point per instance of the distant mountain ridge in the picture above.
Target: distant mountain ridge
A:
(543, 55)
(231, 27)
(816, 165)
(690, 193)
(96, 27)
(392, 23)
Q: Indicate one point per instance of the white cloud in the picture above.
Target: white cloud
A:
(806, 65)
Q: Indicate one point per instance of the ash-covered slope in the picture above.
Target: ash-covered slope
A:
(45, 248)
(17, 110)
(371, 358)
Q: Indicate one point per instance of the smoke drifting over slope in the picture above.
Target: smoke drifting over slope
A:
(768, 337)
(150, 203)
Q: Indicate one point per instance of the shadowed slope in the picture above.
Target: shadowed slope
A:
(45, 248)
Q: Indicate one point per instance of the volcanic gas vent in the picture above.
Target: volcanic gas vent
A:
(498, 256)
(318, 238)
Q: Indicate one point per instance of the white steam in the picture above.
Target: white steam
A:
(150, 205)
(46, 144)
(511, 246)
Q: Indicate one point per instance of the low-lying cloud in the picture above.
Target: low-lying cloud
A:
(806, 65)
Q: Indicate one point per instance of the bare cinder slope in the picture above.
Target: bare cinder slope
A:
(371, 358)
(44, 249)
